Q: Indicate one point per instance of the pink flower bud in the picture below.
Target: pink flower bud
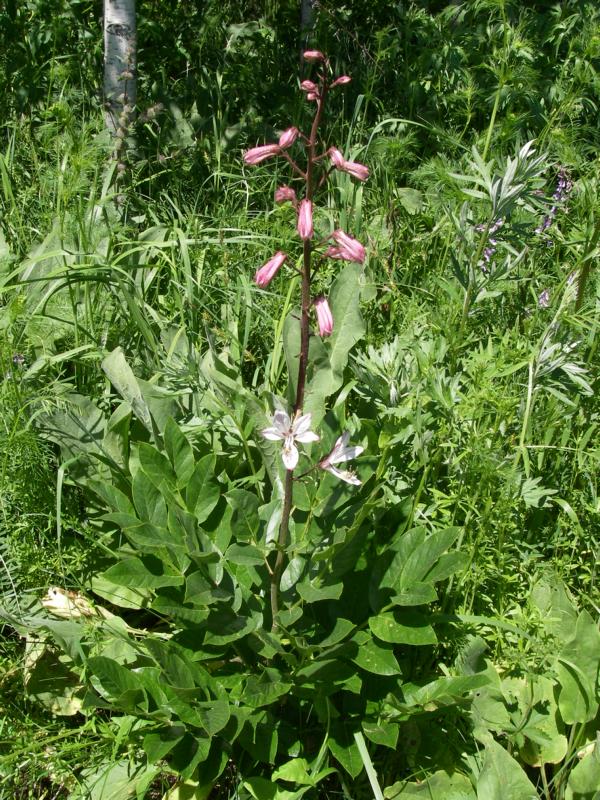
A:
(267, 272)
(324, 316)
(308, 86)
(337, 159)
(341, 81)
(305, 220)
(313, 55)
(285, 194)
(312, 96)
(257, 154)
(288, 137)
(349, 248)
(358, 171)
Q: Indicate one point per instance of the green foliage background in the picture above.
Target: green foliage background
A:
(477, 402)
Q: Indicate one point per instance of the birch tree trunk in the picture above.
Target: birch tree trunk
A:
(119, 64)
(306, 21)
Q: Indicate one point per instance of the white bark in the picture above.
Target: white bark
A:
(306, 14)
(119, 63)
(306, 21)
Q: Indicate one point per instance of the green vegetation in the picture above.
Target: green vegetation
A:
(437, 633)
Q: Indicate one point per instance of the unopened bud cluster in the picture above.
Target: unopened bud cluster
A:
(344, 246)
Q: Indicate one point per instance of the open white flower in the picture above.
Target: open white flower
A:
(340, 453)
(290, 432)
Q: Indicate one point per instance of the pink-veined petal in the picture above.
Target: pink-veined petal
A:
(301, 424)
(344, 475)
(306, 437)
(272, 434)
(282, 422)
(289, 454)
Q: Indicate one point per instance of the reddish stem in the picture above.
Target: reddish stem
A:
(282, 537)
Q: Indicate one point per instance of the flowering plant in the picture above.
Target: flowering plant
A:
(313, 175)
(267, 603)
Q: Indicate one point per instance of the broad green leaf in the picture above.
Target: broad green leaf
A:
(180, 452)
(259, 737)
(224, 626)
(502, 778)
(264, 789)
(439, 786)
(376, 658)
(119, 594)
(576, 699)
(328, 365)
(148, 500)
(443, 691)
(294, 771)
(384, 733)
(156, 465)
(584, 780)
(244, 520)
(340, 630)
(112, 680)
(142, 574)
(178, 612)
(149, 538)
(403, 628)
(313, 594)
(114, 781)
(158, 743)
(264, 690)
(124, 381)
(190, 751)
(202, 492)
(558, 615)
(343, 747)
(580, 659)
(113, 497)
(245, 554)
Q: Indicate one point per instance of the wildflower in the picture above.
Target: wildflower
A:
(324, 316)
(288, 137)
(257, 154)
(348, 249)
(285, 194)
(544, 299)
(18, 359)
(308, 86)
(337, 159)
(341, 81)
(305, 220)
(340, 453)
(358, 171)
(288, 431)
(267, 272)
(563, 188)
(312, 96)
(313, 55)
